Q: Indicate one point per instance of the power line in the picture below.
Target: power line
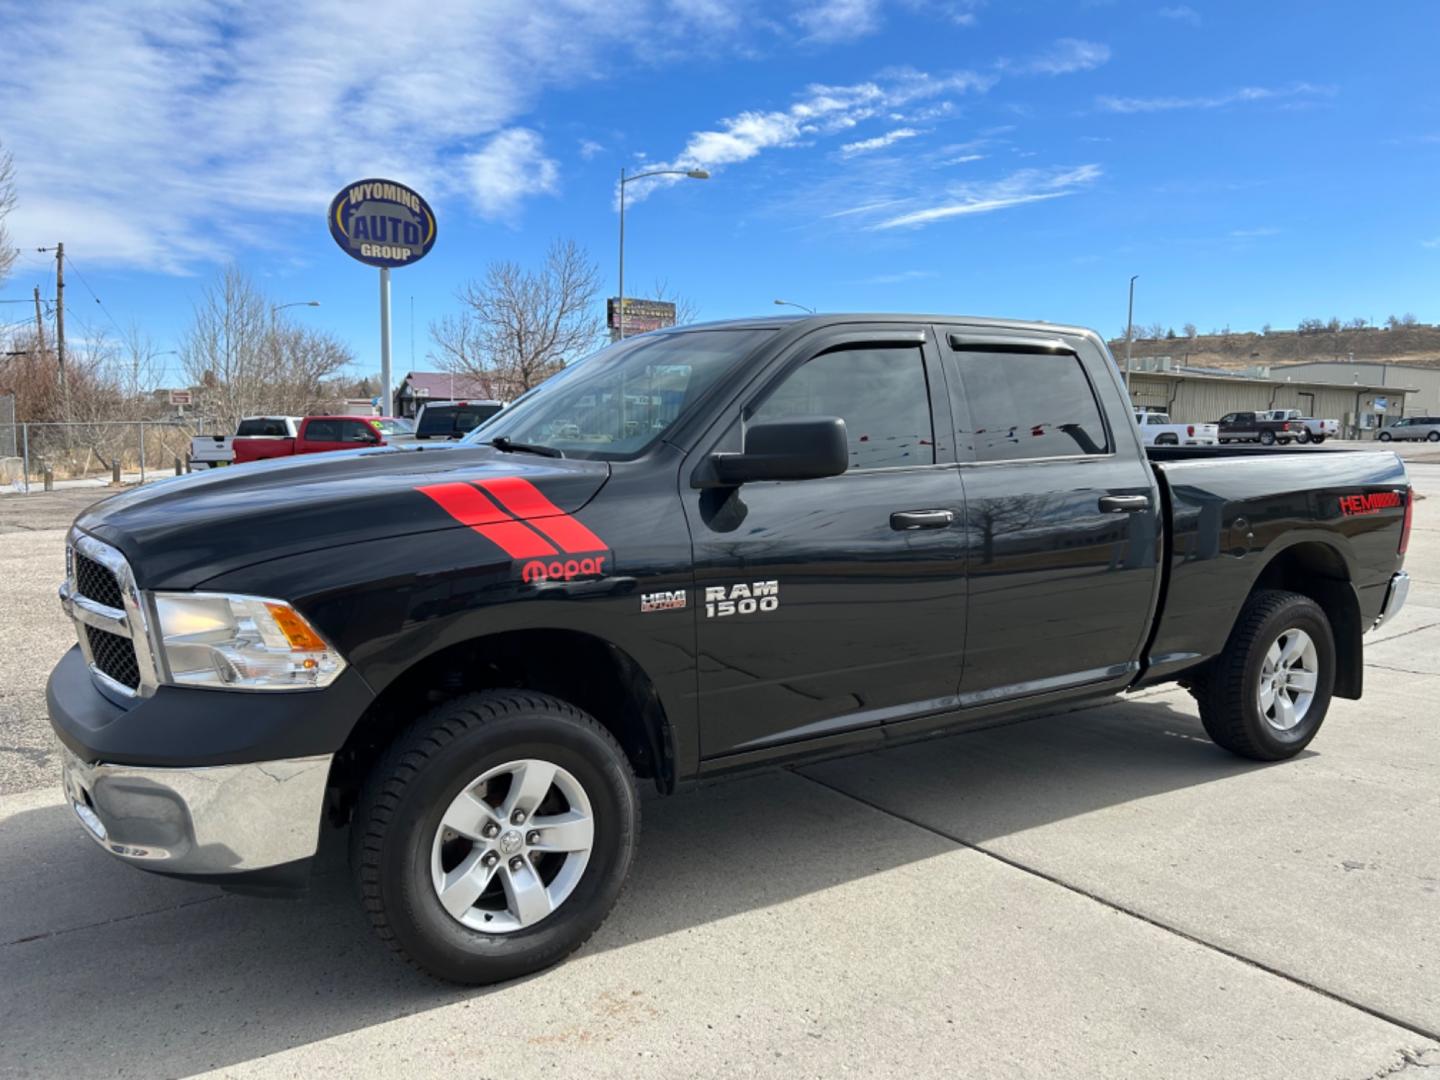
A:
(97, 299)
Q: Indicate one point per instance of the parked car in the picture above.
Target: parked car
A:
(1412, 427)
(393, 427)
(213, 450)
(453, 419)
(702, 549)
(313, 435)
(1306, 428)
(1253, 427)
(1157, 430)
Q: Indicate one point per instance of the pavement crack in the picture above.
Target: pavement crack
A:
(1407, 1061)
(1403, 633)
(1159, 924)
(48, 934)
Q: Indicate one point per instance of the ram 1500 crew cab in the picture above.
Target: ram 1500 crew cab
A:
(696, 550)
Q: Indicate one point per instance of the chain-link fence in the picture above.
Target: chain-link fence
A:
(51, 454)
(7, 426)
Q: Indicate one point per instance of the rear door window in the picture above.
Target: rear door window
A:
(1028, 405)
(249, 429)
(322, 431)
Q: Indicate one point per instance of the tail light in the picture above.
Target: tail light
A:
(1190, 430)
(1285, 426)
(1405, 525)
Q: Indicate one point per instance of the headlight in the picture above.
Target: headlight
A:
(241, 642)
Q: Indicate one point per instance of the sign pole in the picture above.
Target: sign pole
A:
(385, 341)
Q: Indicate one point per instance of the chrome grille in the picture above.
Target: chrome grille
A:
(99, 594)
(113, 656)
(95, 582)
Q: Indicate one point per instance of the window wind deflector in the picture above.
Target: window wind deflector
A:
(1002, 343)
(510, 446)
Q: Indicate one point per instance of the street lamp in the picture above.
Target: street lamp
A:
(693, 174)
(1129, 333)
(294, 303)
(791, 303)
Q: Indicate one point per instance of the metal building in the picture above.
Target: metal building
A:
(1424, 400)
(1188, 395)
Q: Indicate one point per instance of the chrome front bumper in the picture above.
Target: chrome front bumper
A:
(1394, 597)
(224, 819)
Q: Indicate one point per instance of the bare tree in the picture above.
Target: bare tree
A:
(245, 359)
(518, 327)
(687, 310)
(8, 253)
(1191, 331)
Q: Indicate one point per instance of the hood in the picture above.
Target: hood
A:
(177, 533)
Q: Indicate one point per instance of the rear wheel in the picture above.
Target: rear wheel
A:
(1266, 695)
(494, 837)
(1166, 440)
(1385, 436)
(1434, 436)
(1267, 438)
(1317, 439)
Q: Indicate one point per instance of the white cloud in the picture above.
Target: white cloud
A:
(1180, 13)
(1435, 243)
(170, 133)
(820, 111)
(1250, 234)
(879, 142)
(838, 20)
(511, 166)
(1244, 95)
(589, 148)
(963, 159)
(898, 278)
(1017, 189)
(1068, 55)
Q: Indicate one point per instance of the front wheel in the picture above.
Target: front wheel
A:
(1303, 437)
(1434, 436)
(1385, 436)
(493, 838)
(1266, 695)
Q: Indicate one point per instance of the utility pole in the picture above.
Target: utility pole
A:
(39, 324)
(1129, 333)
(60, 313)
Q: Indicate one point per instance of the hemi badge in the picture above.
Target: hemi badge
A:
(662, 601)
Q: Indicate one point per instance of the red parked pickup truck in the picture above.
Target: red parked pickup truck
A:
(316, 435)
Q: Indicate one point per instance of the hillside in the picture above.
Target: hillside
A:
(1403, 345)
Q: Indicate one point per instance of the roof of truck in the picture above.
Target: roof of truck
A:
(823, 318)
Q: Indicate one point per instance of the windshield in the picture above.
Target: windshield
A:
(614, 403)
(393, 426)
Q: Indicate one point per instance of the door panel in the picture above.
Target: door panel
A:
(816, 612)
(1061, 530)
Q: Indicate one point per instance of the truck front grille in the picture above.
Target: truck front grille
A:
(114, 656)
(96, 582)
(110, 617)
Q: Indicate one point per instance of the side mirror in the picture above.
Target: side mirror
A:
(803, 448)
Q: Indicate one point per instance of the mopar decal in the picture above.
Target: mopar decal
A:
(742, 599)
(515, 516)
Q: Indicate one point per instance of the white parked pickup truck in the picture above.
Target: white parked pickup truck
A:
(1310, 430)
(1157, 430)
(214, 450)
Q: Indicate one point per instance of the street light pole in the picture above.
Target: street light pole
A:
(693, 174)
(1129, 333)
(792, 303)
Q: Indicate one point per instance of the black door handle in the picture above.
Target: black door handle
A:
(904, 520)
(1124, 504)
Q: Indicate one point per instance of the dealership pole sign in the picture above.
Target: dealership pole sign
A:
(385, 224)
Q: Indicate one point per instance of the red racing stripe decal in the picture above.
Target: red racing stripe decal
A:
(467, 506)
(526, 501)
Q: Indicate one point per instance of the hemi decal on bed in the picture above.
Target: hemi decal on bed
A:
(515, 516)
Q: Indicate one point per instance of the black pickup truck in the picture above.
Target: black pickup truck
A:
(696, 550)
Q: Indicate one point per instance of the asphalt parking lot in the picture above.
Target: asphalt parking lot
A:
(1098, 893)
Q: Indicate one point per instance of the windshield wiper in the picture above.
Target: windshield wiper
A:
(510, 446)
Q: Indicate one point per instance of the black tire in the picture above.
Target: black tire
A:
(409, 791)
(1267, 438)
(1166, 440)
(1318, 439)
(1228, 693)
(1434, 436)
(1303, 436)
(1385, 436)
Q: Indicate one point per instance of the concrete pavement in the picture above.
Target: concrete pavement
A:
(1101, 893)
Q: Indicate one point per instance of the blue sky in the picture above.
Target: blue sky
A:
(1253, 163)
